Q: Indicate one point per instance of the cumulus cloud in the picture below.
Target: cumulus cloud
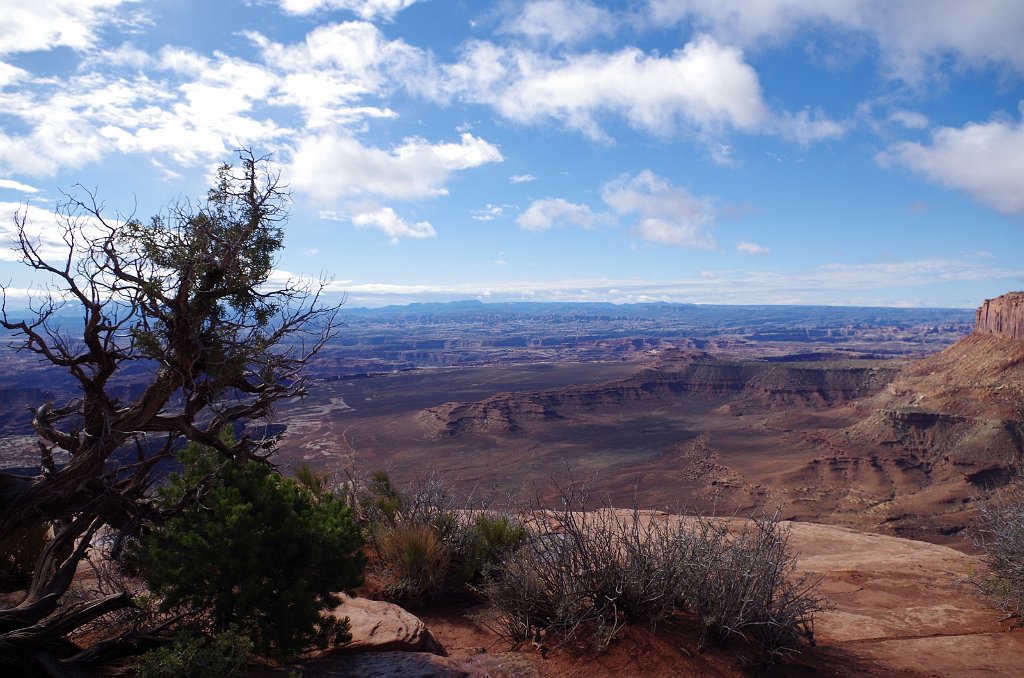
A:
(751, 248)
(984, 159)
(666, 214)
(978, 33)
(31, 25)
(334, 67)
(704, 86)
(192, 117)
(191, 108)
(706, 89)
(545, 214)
(561, 21)
(365, 9)
(394, 226)
(331, 165)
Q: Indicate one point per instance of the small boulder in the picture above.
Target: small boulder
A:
(379, 626)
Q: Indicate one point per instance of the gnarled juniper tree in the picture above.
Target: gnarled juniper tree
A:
(184, 300)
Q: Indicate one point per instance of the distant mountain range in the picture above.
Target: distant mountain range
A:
(699, 313)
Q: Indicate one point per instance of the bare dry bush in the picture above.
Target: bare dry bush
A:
(596, 571)
(1001, 537)
(744, 584)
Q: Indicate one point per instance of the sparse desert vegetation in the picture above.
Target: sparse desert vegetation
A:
(573, 573)
(1000, 535)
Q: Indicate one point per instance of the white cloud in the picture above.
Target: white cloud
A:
(751, 248)
(667, 214)
(12, 185)
(41, 226)
(914, 35)
(545, 214)
(331, 165)
(984, 159)
(366, 9)
(909, 119)
(561, 21)
(488, 213)
(853, 285)
(190, 108)
(806, 127)
(705, 86)
(334, 67)
(194, 117)
(394, 226)
(522, 178)
(11, 74)
(30, 25)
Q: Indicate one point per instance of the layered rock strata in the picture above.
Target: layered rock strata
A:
(1003, 316)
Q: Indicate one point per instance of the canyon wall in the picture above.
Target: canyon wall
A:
(1003, 316)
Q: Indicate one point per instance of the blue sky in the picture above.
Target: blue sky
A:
(863, 152)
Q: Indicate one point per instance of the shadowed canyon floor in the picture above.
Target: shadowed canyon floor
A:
(899, 448)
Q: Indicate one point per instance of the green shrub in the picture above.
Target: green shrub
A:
(254, 551)
(381, 502)
(189, 656)
(428, 542)
(414, 563)
(492, 538)
(313, 481)
(19, 552)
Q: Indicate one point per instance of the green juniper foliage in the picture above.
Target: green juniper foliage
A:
(183, 308)
(255, 551)
(191, 656)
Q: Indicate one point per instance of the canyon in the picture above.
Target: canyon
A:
(857, 433)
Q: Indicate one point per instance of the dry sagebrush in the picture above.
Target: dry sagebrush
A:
(599, 570)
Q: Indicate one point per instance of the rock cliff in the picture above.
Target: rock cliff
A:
(1003, 316)
(742, 385)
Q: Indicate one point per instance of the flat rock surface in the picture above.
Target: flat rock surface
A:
(905, 605)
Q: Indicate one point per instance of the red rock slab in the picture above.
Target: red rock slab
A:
(905, 605)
